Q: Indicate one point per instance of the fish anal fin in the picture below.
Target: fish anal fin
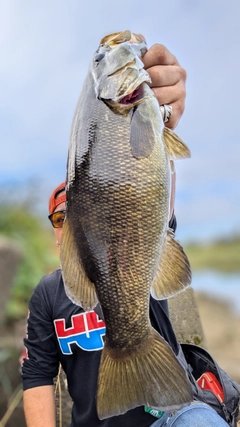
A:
(150, 376)
(174, 272)
(176, 148)
(79, 289)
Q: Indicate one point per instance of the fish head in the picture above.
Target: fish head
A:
(118, 72)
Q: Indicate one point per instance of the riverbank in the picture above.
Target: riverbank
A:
(222, 332)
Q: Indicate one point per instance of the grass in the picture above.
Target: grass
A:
(222, 255)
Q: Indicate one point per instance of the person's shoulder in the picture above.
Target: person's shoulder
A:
(49, 290)
(52, 279)
(50, 283)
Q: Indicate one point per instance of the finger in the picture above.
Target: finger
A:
(158, 55)
(170, 94)
(177, 111)
(178, 106)
(163, 75)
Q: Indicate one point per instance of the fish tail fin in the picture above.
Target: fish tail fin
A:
(78, 287)
(174, 272)
(150, 376)
(176, 148)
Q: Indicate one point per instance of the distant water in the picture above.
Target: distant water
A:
(222, 286)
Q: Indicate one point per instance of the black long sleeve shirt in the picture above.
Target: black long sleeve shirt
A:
(59, 331)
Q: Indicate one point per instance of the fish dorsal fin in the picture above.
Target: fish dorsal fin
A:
(79, 289)
(174, 272)
(176, 148)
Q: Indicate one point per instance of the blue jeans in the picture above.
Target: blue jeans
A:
(195, 415)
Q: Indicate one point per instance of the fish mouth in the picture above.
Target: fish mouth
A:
(132, 97)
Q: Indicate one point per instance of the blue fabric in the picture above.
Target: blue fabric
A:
(195, 415)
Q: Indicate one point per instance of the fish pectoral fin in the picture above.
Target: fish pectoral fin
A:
(150, 375)
(142, 133)
(176, 148)
(174, 272)
(79, 289)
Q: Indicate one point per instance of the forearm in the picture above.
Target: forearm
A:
(39, 406)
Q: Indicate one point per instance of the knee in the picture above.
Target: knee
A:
(196, 415)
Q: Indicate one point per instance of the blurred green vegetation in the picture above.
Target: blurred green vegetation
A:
(34, 235)
(36, 240)
(222, 255)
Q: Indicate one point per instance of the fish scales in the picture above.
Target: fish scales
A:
(115, 234)
(119, 203)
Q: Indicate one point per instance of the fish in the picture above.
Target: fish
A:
(116, 247)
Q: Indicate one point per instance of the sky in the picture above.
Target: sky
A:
(46, 48)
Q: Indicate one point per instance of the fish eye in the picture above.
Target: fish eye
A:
(99, 57)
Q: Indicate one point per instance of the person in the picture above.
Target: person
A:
(60, 332)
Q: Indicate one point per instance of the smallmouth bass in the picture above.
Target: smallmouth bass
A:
(116, 247)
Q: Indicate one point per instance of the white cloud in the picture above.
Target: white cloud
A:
(45, 50)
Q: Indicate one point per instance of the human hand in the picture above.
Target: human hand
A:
(168, 80)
